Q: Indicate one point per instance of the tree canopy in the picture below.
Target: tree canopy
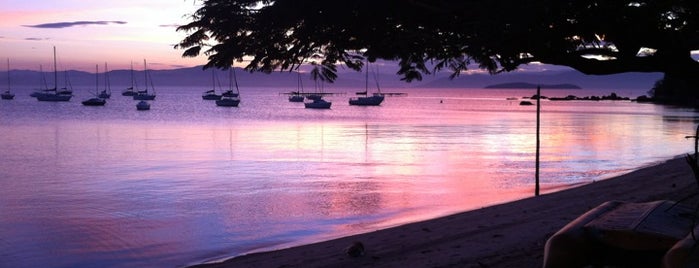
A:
(592, 36)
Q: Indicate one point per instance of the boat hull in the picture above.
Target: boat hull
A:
(318, 104)
(7, 96)
(128, 93)
(143, 106)
(53, 97)
(367, 101)
(94, 102)
(296, 98)
(211, 97)
(226, 102)
(144, 97)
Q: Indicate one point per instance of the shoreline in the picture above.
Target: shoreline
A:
(506, 235)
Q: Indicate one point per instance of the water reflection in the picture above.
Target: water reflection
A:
(121, 193)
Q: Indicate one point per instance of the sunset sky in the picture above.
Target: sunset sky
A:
(86, 33)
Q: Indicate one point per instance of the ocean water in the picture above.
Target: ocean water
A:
(188, 182)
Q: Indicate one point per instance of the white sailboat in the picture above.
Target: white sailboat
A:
(143, 106)
(107, 91)
(211, 94)
(296, 96)
(53, 94)
(145, 94)
(231, 99)
(373, 100)
(8, 95)
(95, 101)
(129, 91)
(317, 101)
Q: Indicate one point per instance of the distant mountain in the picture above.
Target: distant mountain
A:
(523, 85)
(636, 81)
(200, 79)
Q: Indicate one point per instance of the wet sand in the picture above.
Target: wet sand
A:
(507, 235)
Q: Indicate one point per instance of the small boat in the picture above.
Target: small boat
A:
(96, 101)
(314, 97)
(7, 95)
(144, 94)
(230, 98)
(106, 93)
(142, 106)
(318, 104)
(228, 102)
(525, 103)
(296, 95)
(296, 98)
(317, 99)
(129, 90)
(54, 94)
(211, 94)
(374, 100)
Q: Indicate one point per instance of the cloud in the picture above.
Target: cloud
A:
(169, 25)
(35, 39)
(58, 25)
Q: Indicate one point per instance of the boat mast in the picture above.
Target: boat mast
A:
(235, 79)
(106, 79)
(366, 80)
(132, 79)
(55, 71)
(145, 73)
(97, 80)
(8, 74)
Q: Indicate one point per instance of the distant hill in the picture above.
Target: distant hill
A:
(523, 85)
(637, 81)
(200, 79)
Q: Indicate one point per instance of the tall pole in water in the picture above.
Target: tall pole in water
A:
(538, 140)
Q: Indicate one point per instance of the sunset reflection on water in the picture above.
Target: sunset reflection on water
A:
(100, 190)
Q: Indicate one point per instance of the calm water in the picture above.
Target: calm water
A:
(188, 181)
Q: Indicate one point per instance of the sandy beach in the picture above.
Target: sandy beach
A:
(506, 235)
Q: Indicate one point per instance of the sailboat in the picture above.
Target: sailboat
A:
(96, 101)
(230, 98)
(129, 90)
(53, 94)
(143, 94)
(107, 91)
(143, 106)
(7, 95)
(373, 100)
(297, 97)
(211, 94)
(317, 100)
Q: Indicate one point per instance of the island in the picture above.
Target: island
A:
(523, 85)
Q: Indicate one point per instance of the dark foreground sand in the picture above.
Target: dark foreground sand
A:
(507, 235)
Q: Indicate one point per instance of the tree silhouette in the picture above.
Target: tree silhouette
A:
(592, 36)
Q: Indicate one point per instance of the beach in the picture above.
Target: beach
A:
(506, 235)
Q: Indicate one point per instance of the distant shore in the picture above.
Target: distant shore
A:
(507, 235)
